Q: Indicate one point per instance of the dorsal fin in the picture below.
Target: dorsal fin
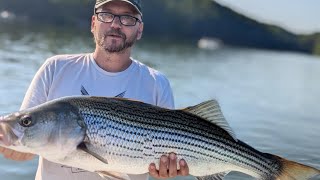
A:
(210, 111)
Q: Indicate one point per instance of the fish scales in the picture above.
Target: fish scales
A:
(127, 120)
(121, 135)
(115, 136)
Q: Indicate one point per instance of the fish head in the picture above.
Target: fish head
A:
(49, 128)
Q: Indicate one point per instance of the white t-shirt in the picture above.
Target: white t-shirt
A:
(67, 75)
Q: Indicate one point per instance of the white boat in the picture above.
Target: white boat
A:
(209, 43)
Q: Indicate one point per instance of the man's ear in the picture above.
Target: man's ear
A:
(140, 31)
(93, 22)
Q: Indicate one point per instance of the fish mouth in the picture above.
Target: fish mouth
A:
(7, 136)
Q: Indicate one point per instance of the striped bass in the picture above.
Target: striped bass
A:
(112, 136)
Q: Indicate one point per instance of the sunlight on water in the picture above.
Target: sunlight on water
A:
(269, 98)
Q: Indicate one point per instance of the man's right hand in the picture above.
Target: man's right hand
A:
(15, 155)
(9, 153)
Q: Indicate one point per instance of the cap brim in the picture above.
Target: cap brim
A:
(104, 2)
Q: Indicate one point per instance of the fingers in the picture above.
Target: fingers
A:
(163, 167)
(2, 149)
(184, 169)
(153, 171)
(29, 156)
(22, 156)
(7, 153)
(173, 165)
(15, 155)
(168, 167)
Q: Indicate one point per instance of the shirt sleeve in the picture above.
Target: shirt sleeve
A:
(165, 96)
(37, 92)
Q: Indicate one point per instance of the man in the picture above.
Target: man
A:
(108, 71)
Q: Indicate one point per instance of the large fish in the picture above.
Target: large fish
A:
(111, 136)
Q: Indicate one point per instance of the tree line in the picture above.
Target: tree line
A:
(172, 19)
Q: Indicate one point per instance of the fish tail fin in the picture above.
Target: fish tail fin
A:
(295, 171)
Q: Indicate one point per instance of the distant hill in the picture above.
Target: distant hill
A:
(173, 19)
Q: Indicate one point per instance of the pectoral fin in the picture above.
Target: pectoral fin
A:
(113, 175)
(218, 176)
(84, 148)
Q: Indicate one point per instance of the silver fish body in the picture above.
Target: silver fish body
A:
(137, 133)
(119, 135)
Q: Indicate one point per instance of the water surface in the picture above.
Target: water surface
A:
(270, 99)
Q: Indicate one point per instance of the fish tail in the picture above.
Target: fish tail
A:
(295, 171)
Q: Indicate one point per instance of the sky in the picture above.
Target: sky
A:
(298, 16)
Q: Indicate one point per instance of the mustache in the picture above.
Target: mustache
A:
(116, 32)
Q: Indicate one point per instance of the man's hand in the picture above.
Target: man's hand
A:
(168, 167)
(11, 154)
(15, 155)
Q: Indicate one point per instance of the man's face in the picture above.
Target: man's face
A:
(114, 37)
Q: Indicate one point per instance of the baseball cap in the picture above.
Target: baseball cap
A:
(135, 3)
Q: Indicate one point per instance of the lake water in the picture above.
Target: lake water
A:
(271, 99)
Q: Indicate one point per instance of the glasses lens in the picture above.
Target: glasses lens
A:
(128, 20)
(105, 17)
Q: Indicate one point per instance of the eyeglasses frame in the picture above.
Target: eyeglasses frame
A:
(119, 16)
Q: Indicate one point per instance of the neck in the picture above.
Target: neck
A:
(112, 62)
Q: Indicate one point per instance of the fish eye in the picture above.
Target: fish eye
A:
(26, 121)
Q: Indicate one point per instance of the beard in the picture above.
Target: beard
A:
(113, 46)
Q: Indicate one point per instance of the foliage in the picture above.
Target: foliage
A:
(171, 19)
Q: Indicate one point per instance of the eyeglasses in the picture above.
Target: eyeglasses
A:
(125, 20)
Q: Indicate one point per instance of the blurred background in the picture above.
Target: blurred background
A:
(259, 59)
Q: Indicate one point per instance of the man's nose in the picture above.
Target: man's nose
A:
(116, 23)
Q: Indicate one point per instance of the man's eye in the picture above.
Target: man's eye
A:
(106, 15)
(127, 17)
